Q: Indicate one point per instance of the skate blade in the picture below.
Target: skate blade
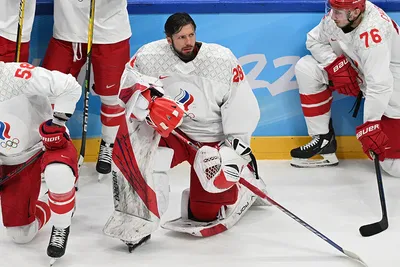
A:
(52, 261)
(327, 160)
(132, 247)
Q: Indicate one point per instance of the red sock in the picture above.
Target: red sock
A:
(62, 203)
(43, 213)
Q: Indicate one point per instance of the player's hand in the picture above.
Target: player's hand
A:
(53, 136)
(372, 138)
(343, 78)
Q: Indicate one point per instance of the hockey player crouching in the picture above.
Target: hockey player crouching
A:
(356, 43)
(216, 110)
(27, 126)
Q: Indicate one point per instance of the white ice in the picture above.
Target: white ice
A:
(334, 200)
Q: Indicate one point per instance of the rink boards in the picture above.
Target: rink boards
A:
(268, 38)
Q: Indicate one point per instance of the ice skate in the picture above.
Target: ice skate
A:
(323, 145)
(57, 243)
(103, 166)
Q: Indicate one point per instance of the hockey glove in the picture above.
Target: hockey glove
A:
(164, 115)
(372, 138)
(53, 136)
(343, 78)
(138, 105)
(219, 169)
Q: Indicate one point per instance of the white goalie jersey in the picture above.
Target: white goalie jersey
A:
(212, 88)
(25, 93)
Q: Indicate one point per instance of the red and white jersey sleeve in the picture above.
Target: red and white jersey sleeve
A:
(25, 93)
(111, 21)
(211, 87)
(9, 17)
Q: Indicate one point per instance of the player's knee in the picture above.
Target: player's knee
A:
(303, 65)
(391, 166)
(59, 178)
(23, 234)
(162, 159)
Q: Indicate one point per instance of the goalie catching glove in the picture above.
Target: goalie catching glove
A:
(218, 169)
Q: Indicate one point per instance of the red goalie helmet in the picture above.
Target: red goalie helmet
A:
(348, 4)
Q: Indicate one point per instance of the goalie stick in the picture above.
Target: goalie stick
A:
(261, 194)
(383, 224)
(19, 30)
(87, 84)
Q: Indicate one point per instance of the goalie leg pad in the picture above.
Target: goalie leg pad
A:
(204, 206)
(163, 158)
(228, 216)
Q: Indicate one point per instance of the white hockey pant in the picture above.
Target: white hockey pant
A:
(315, 98)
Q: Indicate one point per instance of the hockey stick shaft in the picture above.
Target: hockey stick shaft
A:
(87, 84)
(22, 167)
(19, 30)
(262, 195)
(380, 186)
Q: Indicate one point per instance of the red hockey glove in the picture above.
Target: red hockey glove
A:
(342, 77)
(372, 138)
(53, 137)
(164, 115)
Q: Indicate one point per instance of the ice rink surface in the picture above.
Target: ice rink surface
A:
(334, 200)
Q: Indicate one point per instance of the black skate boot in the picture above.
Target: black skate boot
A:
(323, 145)
(103, 165)
(57, 244)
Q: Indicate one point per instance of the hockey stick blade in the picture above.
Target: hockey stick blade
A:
(261, 194)
(374, 228)
(382, 225)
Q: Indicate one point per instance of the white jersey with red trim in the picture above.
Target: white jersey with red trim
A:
(212, 87)
(25, 96)
(111, 21)
(373, 47)
(9, 17)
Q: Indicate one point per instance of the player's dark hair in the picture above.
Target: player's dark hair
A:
(176, 21)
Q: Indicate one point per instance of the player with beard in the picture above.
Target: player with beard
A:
(163, 81)
(354, 51)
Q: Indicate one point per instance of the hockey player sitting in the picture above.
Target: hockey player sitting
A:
(27, 126)
(200, 88)
(355, 47)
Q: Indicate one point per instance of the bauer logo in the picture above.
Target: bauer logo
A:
(367, 130)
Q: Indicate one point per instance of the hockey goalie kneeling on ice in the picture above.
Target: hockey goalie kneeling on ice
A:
(201, 92)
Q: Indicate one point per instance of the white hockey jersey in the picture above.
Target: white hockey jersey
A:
(111, 21)
(9, 17)
(212, 87)
(374, 49)
(25, 93)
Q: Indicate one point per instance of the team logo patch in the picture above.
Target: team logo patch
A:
(5, 139)
(185, 99)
